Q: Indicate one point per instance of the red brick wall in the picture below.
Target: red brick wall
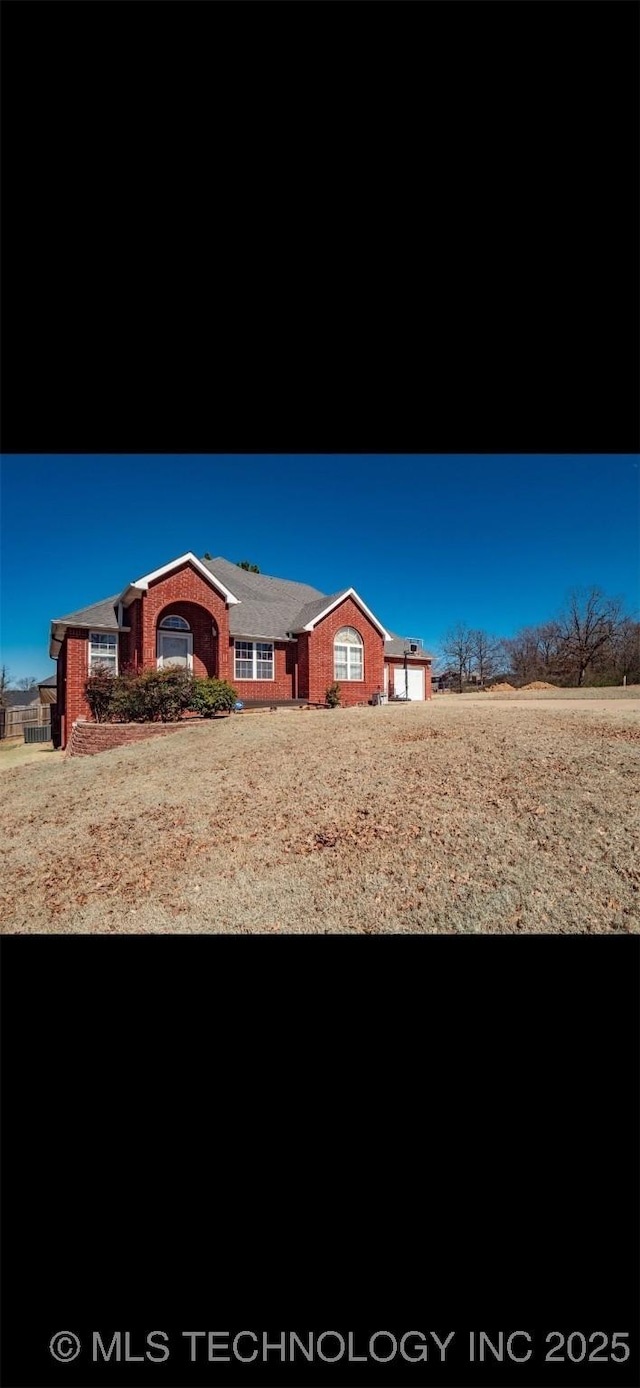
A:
(321, 639)
(131, 642)
(170, 594)
(205, 640)
(303, 665)
(291, 660)
(280, 687)
(61, 692)
(77, 669)
(89, 738)
(396, 674)
(183, 592)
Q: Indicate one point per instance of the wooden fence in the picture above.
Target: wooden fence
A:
(15, 719)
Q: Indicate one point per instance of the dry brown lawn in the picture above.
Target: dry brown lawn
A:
(472, 814)
(19, 753)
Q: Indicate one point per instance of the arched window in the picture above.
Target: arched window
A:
(348, 655)
(175, 624)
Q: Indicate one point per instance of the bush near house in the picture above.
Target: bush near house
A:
(333, 695)
(213, 696)
(100, 692)
(155, 696)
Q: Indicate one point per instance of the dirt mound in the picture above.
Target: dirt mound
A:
(502, 688)
(539, 684)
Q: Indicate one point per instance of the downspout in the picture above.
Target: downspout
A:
(290, 637)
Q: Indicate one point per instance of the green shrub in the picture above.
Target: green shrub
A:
(99, 692)
(153, 696)
(212, 696)
(128, 699)
(333, 695)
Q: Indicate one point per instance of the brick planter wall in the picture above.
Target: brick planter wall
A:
(89, 738)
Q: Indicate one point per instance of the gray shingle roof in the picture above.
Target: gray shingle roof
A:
(267, 606)
(101, 614)
(51, 681)
(313, 609)
(21, 698)
(396, 647)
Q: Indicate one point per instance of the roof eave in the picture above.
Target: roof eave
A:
(140, 585)
(59, 629)
(399, 655)
(348, 593)
(259, 636)
(130, 593)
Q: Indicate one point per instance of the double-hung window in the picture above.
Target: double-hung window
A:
(254, 660)
(103, 651)
(348, 655)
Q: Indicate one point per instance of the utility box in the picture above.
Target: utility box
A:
(37, 732)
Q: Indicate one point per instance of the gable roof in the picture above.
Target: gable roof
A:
(260, 606)
(314, 616)
(312, 610)
(141, 584)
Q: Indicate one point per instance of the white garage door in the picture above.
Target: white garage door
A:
(415, 679)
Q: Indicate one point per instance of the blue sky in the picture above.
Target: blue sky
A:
(426, 540)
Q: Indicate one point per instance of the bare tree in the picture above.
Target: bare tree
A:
(589, 622)
(548, 635)
(593, 640)
(521, 654)
(626, 650)
(27, 682)
(5, 683)
(456, 646)
(483, 653)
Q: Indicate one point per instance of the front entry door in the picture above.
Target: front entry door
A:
(174, 648)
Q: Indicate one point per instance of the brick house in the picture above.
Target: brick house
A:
(273, 639)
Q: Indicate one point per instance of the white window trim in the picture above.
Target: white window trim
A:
(260, 679)
(173, 617)
(349, 678)
(348, 646)
(173, 635)
(95, 660)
